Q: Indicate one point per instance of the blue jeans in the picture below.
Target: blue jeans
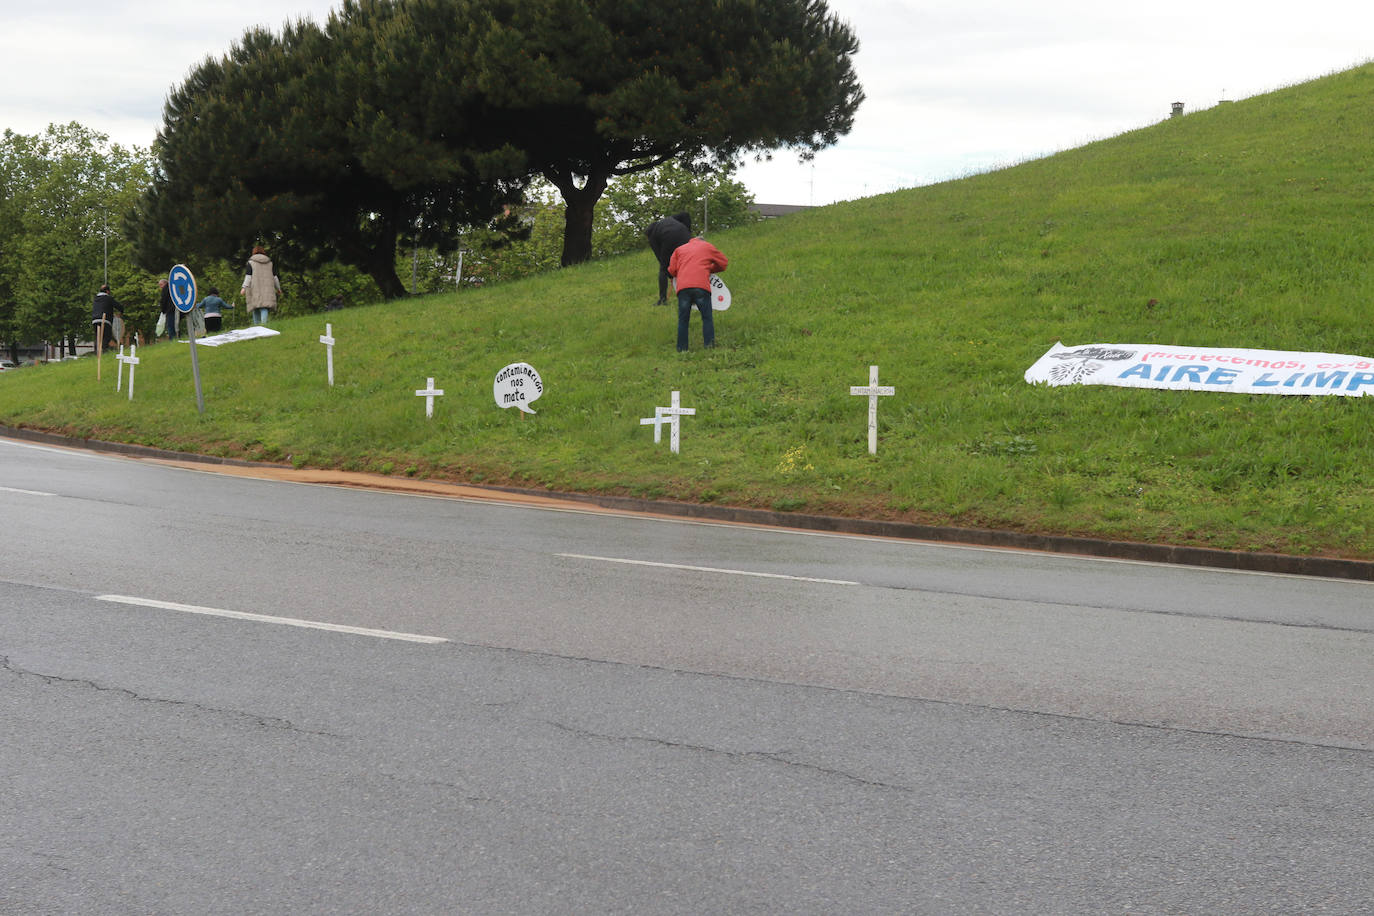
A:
(701, 298)
(260, 317)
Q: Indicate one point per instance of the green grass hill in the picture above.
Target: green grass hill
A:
(1247, 225)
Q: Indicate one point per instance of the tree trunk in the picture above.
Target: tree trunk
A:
(375, 256)
(387, 280)
(579, 213)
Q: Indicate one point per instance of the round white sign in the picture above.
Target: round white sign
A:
(720, 294)
(516, 386)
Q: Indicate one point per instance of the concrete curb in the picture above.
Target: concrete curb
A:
(124, 448)
(1324, 567)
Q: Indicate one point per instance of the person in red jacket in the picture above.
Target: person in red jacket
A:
(691, 266)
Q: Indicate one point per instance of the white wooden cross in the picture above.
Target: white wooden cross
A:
(670, 416)
(328, 340)
(119, 375)
(656, 421)
(133, 360)
(429, 393)
(873, 391)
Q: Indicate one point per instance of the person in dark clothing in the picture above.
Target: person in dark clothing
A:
(168, 308)
(102, 318)
(664, 238)
(213, 307)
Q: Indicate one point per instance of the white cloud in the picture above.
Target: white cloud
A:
(110, 65)
(952, 87)
(960, 88)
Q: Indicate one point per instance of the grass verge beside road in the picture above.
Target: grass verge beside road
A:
(1244, 226)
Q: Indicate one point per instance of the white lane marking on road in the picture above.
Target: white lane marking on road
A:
(72, 451)
(264, 618)
(495, 499)
(710, 569)
(25, 492)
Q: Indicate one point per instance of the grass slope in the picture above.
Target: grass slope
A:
(1248, 225)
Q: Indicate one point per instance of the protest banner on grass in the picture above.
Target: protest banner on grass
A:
(1205, 369)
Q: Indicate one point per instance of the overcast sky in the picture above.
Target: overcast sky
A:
(953, 86)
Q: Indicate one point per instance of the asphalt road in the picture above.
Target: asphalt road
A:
(542, 711)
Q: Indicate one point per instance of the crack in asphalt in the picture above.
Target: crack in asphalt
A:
(763, 756)
(272, 722)
(1121, 609)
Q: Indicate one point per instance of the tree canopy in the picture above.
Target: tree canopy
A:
(62, 194)
(320, 143)
(591, 89)
(409, 120)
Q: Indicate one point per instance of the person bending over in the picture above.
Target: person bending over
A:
(692, 265)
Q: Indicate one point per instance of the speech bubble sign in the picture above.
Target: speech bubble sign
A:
(720, 294)
(516, 386)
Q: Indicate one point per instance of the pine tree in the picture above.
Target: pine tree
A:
(406, 121)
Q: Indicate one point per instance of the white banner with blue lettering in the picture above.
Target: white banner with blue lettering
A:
(1205, 369)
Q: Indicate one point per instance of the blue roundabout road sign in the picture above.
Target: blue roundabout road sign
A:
(182, 283)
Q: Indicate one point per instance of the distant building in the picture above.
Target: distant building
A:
(773, 211)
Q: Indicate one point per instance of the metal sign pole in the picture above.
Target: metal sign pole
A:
(195, 370)
(182, 284)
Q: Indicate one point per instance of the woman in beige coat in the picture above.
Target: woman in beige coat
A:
(260, 286)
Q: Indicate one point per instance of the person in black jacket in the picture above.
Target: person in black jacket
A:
(664, 238)
(102, 318)
(168, 309)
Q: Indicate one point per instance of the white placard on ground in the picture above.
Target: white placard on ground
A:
(1235, 370)
(216, 340)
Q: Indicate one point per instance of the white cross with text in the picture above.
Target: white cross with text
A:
(656, 421)
(133, 361)
(429, 393)
(328, 340)
(670, 416)
(873, 391)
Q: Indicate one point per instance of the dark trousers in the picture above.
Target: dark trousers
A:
(107, 341)
(662, 281)
(701, 298)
